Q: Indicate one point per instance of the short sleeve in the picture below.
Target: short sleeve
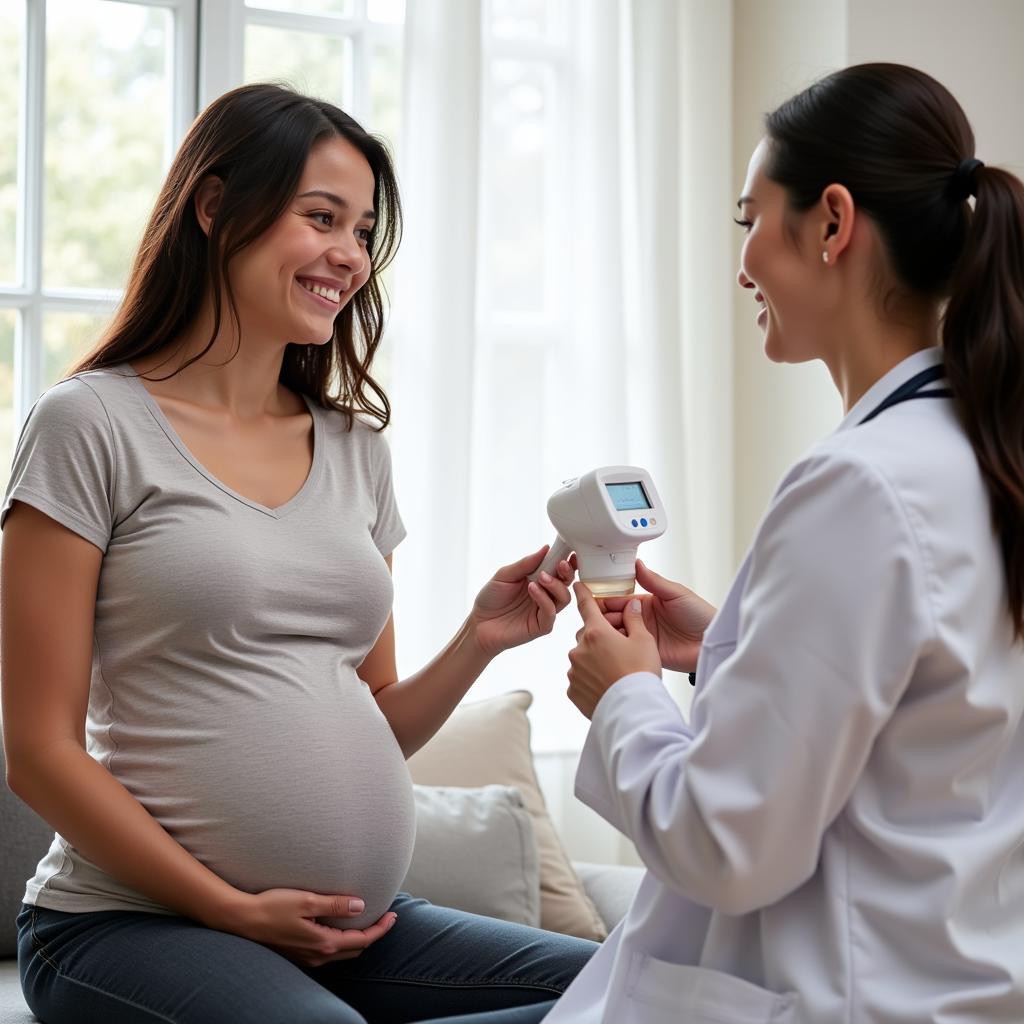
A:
(388, 529)
(64, 464)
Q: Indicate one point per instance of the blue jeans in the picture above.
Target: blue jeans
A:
(123, 967)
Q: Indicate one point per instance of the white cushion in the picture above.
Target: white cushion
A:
(475, 851)
(488, 742)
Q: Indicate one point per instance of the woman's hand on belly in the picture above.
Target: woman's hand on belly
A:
(285, 920)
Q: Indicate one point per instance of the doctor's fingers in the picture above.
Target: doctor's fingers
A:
(587, 605)
(655, 583)
(596, 632)
(619, 628)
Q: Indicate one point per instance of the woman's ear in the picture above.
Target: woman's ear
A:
(207, 199)
(837, 213)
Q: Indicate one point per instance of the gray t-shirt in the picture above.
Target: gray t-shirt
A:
(224, 693)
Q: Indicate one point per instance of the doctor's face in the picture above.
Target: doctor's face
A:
(780, 264)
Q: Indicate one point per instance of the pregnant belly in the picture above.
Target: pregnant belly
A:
(315, 798)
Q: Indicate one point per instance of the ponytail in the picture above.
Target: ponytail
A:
(983, 342)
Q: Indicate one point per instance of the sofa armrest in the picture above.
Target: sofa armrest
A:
(611, 888)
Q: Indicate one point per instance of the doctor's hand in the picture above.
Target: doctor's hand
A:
(603, 654)
(675, 616)
(510, 610)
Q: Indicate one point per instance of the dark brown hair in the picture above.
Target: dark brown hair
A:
(895, 137)
(256, 140)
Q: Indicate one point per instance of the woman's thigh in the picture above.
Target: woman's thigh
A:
(437, 962)
(117, 967)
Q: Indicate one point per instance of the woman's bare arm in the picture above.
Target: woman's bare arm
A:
(48, 580)
(417, 707)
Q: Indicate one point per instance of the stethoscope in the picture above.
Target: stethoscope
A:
(906, 392)
(911, 390)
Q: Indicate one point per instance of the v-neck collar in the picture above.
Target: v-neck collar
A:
(889, 382)
(153, 406)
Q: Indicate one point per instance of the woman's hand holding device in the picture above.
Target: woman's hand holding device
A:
(511, 609)
(674, 615)
(285, 920)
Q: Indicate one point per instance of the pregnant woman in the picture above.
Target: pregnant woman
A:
(215, 729)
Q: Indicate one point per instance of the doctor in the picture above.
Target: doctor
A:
(837, 834)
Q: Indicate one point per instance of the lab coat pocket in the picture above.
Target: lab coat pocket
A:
(712, 654)
(664, 993)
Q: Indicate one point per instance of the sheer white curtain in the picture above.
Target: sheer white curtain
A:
(562, 300)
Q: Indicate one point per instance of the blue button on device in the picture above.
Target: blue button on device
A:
(635, 523)
(643, 522)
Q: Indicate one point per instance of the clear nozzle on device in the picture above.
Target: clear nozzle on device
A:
(619, 587)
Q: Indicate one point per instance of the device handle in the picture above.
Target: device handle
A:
(559, 550)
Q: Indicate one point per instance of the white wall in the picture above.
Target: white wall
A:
(779, 46)
(972, 49)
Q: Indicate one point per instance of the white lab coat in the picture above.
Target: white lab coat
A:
(837, 835)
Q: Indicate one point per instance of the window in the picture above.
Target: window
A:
(92, 108)
(525, 305)
(525, 56)
(525, 171)
(345, 51)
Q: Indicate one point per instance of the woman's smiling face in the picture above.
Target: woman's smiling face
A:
(782, 267)
(294, 279)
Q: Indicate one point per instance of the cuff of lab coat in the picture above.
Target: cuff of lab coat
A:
(616, 713)
(623, 693)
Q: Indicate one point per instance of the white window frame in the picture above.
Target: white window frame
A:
(28, 297)
(542, 329)
(207, 59)
(222, 28)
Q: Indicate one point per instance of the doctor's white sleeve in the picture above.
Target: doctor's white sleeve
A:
(730, 812)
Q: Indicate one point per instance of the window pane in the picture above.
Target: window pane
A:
(12, 35)
(516, 19)
(386, 93)
(310, 62)
(107, 111)
(515, 257)
(8, 322)
(336, 7)
(385, 120)
(67, 337)
(390, 11)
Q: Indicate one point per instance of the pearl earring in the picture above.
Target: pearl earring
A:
(824, 256)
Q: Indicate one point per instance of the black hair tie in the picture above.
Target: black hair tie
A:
(963, 182)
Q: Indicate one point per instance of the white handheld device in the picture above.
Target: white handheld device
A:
(603, 516)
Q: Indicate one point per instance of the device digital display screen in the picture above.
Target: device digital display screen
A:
(626, 497)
